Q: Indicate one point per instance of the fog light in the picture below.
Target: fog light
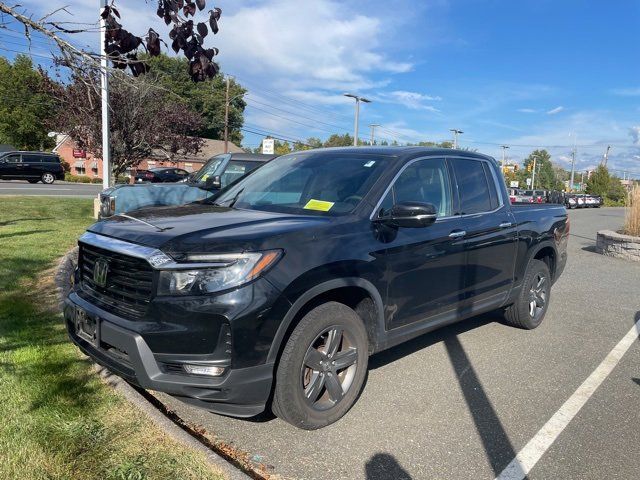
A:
(203, 370)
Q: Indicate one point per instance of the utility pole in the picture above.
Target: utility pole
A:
(357, 119)
(104, 88)
(226, 118)
(573, 163)
(456, 132)
(504, 150)
(373, 132)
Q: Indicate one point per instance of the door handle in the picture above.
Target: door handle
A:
(457, 234)
(506, 225)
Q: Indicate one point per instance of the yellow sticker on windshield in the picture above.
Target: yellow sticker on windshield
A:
(319, 205)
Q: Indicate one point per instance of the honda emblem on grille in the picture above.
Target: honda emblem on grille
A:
(100, 271)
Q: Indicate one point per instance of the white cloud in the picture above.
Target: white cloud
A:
(635, 134)
(411, 100)
(627, 92)
(553, 111)
(527, 110)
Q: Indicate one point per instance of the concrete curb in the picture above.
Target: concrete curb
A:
(63, 282)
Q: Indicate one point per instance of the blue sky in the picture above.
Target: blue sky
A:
(527, 73)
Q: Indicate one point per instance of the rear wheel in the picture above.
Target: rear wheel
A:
(322, 368)
(529, 309)
(48, 178)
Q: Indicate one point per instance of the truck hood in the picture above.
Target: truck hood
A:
(205, 228)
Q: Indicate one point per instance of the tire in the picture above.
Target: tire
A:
(529, 309)
(311, 398)
(33, 180)
(48, 178)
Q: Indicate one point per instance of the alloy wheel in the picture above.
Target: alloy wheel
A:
(537, 296)
(329, 368)
(47, 178)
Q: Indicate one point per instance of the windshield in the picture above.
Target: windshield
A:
(325, 183)
(209, 168)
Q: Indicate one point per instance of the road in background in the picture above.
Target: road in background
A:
(58, 189)
(463, 401)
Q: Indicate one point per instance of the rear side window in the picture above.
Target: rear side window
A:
(15, 158)
(495, 203)
(473, 186)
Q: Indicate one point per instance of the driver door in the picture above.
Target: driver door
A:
(424, 267)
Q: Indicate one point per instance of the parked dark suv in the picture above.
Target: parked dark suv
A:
(276, 290)
(31, 166)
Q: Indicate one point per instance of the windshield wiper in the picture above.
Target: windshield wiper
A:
(235, 199)
(160, 229)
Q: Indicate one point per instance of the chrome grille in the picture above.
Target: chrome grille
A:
(129, 283)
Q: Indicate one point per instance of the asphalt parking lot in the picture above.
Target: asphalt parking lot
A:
(464, 401)
(58, 189)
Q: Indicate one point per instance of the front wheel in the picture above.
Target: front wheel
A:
(322, 368)
(48, 178)
(530, 307)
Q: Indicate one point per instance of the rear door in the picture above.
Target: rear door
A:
(424, 266)
(490, 231)
(31, 165)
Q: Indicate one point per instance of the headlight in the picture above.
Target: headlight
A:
(233, 270)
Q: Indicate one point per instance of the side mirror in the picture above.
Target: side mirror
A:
(410, 215)
(213, 183)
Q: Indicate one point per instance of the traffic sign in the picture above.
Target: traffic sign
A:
(268, 146)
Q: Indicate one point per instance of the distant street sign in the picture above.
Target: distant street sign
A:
(528, 182)
(514, 184)
(268, 146)
(79, 153)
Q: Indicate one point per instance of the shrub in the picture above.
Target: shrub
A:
(122, 179)
(632, 215)
(96, 180)
(82, 179)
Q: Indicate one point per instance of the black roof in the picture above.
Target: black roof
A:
(404, 151)
(254, 157)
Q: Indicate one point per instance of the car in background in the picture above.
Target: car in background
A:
(161, 175)
(540, 196)
(33, 167)
(219, 171)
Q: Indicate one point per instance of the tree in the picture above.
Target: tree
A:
(599, 182)
(122, 47)
(616, 192)
(337, 140)
(207, 97)
(145, 120)
(24, 107)
(545, 177)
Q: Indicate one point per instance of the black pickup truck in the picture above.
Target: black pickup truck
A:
(275, 292)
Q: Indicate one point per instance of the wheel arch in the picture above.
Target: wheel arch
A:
(357, 293)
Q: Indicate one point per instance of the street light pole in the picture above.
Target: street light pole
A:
(456, 132)
(504, 149)
(357, 117)
(573, 163)
(104, 89)
(533, 176)
(373, 132)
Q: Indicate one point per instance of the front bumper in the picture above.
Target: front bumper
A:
(241, 392)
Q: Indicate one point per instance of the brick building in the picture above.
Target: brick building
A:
(83, 163)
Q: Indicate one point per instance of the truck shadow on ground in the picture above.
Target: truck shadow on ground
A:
(495, 441)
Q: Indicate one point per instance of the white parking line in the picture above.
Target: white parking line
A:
(526, 458)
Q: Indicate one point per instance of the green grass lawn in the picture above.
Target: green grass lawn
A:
(57, 418)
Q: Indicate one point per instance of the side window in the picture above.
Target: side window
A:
(495, 202)
(425, 181)
(13, 158)
(472, 186)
